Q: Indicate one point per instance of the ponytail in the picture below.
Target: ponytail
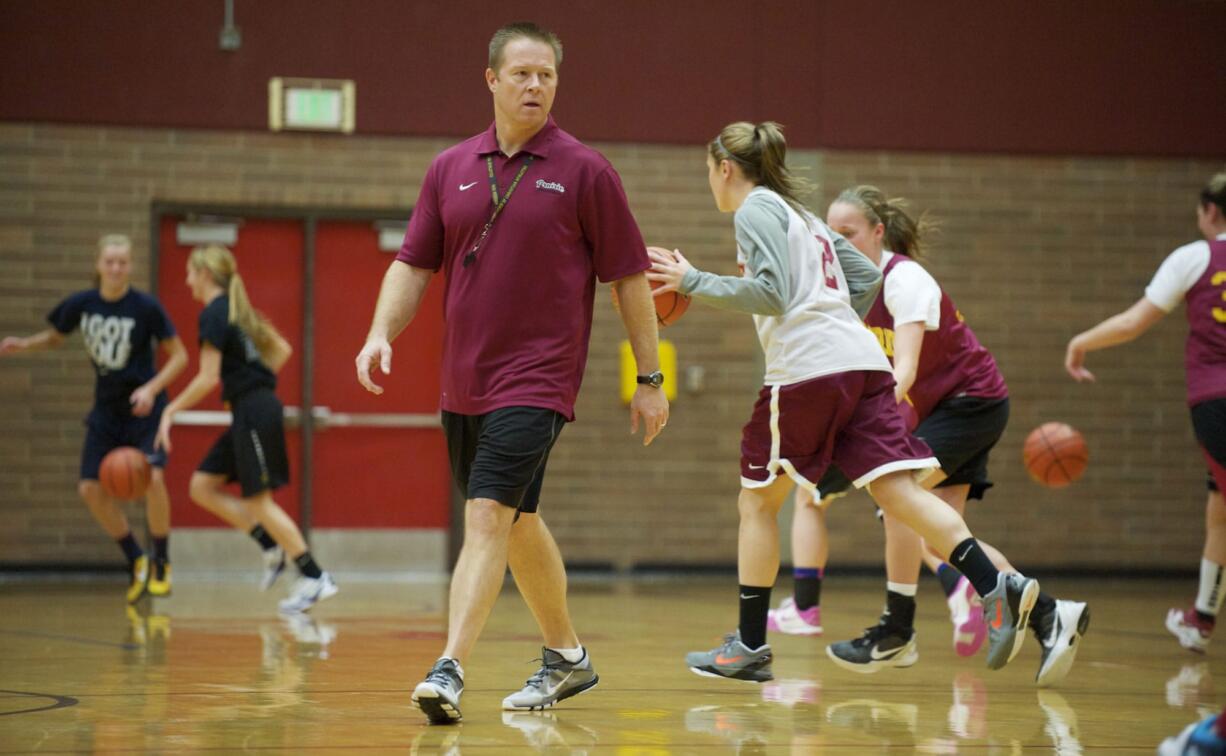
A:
(1214, 192)
(761, 152)
(251, 321)
(223, 268)
(904, 235)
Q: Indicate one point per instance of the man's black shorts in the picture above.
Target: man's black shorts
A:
(961, 433)
(1209, 423)
(252, 450)
(106, 430)
(501, 455)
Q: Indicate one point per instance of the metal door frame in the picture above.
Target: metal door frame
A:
(309, 217)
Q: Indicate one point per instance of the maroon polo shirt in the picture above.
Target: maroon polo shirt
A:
(518, 319)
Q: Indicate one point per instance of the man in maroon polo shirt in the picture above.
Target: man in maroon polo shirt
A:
(522, 219)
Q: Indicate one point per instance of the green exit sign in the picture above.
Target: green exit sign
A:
(311, 104)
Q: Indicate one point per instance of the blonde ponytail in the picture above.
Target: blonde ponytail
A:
(904, 235)
(223, 268)
(761, 152)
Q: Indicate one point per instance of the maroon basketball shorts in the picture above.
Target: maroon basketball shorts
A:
(849, 419)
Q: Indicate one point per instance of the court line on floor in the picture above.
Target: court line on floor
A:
(57, 702)
(72, 639)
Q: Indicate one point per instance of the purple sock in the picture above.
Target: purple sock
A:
(807, 587)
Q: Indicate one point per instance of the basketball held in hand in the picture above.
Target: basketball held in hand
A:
(669, 306)
(124, 473)
(1055, 454)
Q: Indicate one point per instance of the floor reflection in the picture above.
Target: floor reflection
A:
(213, 669)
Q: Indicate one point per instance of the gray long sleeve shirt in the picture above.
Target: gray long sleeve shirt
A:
(762, 235)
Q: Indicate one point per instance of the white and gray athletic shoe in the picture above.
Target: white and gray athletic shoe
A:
(1060, 637)
(733, 660)
(274, 565)
(556, 680)
(308, 592)
(438, 696)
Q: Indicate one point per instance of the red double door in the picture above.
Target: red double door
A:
(373, 461)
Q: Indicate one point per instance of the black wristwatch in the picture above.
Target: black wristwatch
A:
(655, 380)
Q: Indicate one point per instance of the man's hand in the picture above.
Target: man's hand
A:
(650, 404)
(377, 350)
(142, 401)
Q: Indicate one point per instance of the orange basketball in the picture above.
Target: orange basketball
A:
(669, 307)
(1055, 454)
(124, 473)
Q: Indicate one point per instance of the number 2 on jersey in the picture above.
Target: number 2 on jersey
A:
(831, 280)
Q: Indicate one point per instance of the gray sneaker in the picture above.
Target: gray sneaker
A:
(438, 696)
(1006, 609)
(733, 660)
(1060, 638)
(556, 680)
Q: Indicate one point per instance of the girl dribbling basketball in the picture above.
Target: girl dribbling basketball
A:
(828, 397)
(1196, 274)
(121, 327)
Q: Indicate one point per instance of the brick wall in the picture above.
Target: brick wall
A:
(1033, 250)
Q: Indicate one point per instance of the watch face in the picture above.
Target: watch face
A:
(657, 379)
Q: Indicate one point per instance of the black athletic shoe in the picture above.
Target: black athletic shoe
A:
(881, 646)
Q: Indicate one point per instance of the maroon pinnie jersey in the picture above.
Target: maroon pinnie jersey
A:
(1205, 350)
(952, 361)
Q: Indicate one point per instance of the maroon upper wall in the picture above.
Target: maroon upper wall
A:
(1126, 77)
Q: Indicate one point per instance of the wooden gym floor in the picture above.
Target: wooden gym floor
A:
(214, 669)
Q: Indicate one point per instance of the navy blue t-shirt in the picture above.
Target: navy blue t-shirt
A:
(242, 369)
(121, 338)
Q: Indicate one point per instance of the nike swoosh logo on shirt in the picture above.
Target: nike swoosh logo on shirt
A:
(757, 467)
(466, 187)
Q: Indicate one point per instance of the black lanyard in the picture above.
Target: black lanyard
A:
(499, 204)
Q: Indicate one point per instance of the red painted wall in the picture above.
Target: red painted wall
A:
(1123, 77)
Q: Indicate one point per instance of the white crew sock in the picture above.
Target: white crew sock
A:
(1209, 597)
(905, 589)
(572, 655)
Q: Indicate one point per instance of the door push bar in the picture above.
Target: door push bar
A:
(322, 418)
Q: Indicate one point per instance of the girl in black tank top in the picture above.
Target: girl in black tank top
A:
(241, 350)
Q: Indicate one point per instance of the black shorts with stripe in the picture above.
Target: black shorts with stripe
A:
(961, 432)
(252, 451)
(501, 455)
(1209, 423)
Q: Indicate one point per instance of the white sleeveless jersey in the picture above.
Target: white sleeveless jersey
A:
(818, 333)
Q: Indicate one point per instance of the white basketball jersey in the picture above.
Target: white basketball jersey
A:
(818, 333)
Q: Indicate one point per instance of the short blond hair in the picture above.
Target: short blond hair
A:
(523, 30)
